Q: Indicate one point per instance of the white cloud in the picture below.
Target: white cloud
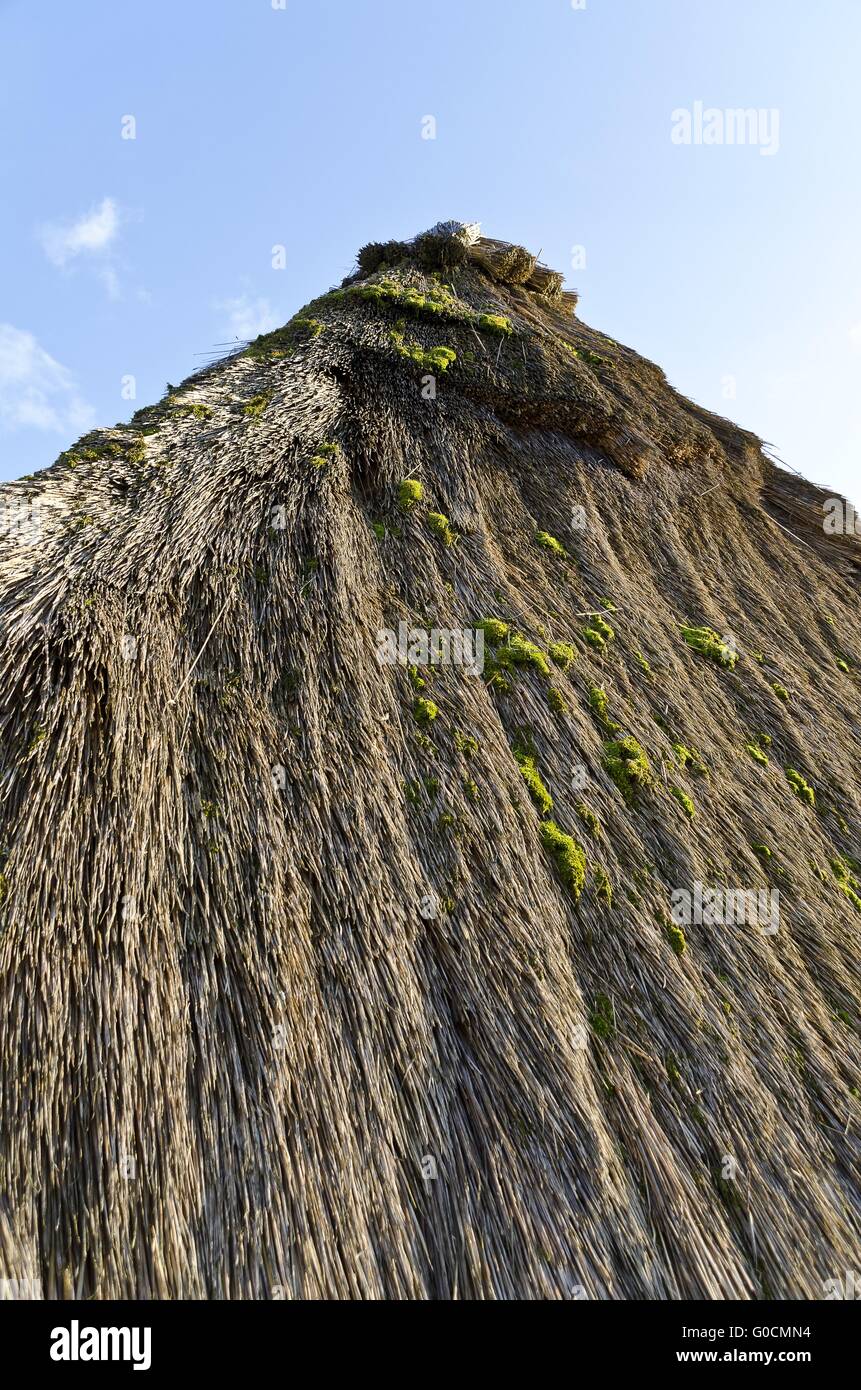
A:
(247, 318)
(36, 390)
(91, 234)
(855, 335)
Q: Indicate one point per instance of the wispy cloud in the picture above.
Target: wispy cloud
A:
(90, 235)
(246, 318)
(36, 391)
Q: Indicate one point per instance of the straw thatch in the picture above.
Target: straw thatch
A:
(298, 994)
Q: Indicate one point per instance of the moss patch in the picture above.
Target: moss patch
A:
(684, 801)
(603, 885)
(598, 706)
(410, 493)
(435, 359)
(846, 882)
(496, 323)
(801, 787)
(556, 700)
(675, 936)
(283, 342)
(567, 856)
(325, 454)
(534, 785)
(562, 654)
(689, 758)
(711, 645)
(256, 406)
(757, 754)
(425, 711)
(548, 542)
(518, 652)
(495, 630)
(589, 819)
(598, 633)
(628, 765)
(441, 527)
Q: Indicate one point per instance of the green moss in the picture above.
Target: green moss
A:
(496, 323)
(548, 542)
(4, 889)
(780, 691)
(256, 406)
(690, 759)
(425, 711)
(584, 354)
(598, 633)
(642, 663)
(801, 787)
(848, 885)
(465, 744)
(602, 1018)
(392, 293)
(757, 754)
(520, 652)
(628, 765)
(843, 664)
(562, 654)
(534, 785)
(435, 359)
(471, 790)
(496, 678)
(94, 448)
(567, 856)
(710, 644)
(495, 630)
(589, 819)
(379, 530)
(684, 801)
(763, 740)
(325, 454)
(283, 342)
(603, 885)
(410, 493)
(598, 706)
(196, 409)
(556, 700)
(675, 936)
(761, 851)
(441, 527)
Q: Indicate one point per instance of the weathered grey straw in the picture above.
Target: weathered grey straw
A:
(298, 996)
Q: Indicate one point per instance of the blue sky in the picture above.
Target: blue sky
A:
(301, 127)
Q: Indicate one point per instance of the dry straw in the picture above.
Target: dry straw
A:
(296, 1003)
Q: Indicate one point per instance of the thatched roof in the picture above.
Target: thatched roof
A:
(306, 990)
